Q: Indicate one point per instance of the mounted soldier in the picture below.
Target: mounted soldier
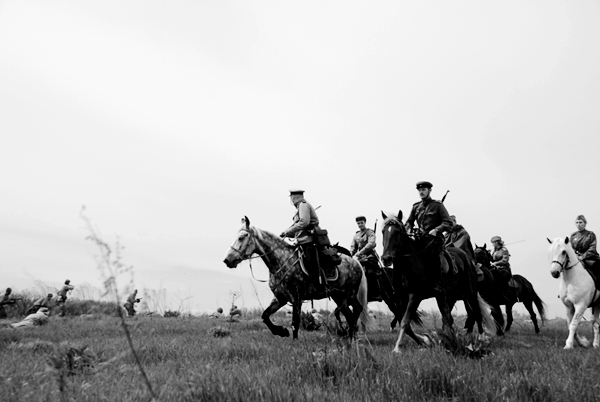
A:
(433, 220)
(363, 250)
(310, 237)
(500, 257)
(458, 237)
(584, 244)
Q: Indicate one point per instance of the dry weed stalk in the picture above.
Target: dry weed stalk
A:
(110, 268)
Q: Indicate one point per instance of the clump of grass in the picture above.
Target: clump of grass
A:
(219, 332)
(462, 345)
(171, 314)
(308, 322)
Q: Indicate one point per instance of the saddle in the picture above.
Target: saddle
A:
(447, 262)
(596, 277)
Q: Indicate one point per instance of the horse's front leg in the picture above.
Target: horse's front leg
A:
(405, 328)
(445, 310)
(275, 305)
(596, 325)
(509, 316)
(574, 315)
(296, 309)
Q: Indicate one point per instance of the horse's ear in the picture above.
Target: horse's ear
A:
(549, 241)
(383, 215)
(476, 245)
(400, 215)
(567, 240)
(246, 221)
(484, 246)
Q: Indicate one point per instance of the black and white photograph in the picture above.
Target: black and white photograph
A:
(299, 200)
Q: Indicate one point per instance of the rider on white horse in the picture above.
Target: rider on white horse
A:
(577, 290)
(584, 244)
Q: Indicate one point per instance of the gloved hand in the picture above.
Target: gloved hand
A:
(282, 234)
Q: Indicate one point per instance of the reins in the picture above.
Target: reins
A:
(393, 222)
(250, 258)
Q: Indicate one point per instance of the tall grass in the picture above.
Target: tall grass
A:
(185, 362)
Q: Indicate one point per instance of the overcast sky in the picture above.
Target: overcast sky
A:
(170, 121)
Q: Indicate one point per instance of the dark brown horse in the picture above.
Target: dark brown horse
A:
(385, 284)
(408, 256)
(523, 292)
(290, 282)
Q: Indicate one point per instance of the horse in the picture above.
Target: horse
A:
(577, 290)
(524, 293)
(385, 281)
(289, 281)
(409, 260)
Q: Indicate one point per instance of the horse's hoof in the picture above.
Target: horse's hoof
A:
(568, 347)
(396, 350)
(284, 333)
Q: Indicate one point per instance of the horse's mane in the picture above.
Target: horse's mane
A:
(264, 235)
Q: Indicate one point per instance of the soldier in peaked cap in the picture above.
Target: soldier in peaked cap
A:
(433, 220)
(305, 220)
(363, 250)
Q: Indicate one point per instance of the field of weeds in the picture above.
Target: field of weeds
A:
(198, 358)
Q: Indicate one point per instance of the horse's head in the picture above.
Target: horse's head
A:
(559, 252)
(482, 255)
(243, 246)
(393, 235)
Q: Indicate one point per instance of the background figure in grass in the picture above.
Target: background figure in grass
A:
(62, 297)
(235, 313)
(38, 318)
(363, 250)
(6, 300)
(584, 244)
(217, 314)
(130, 303)
(44, 301)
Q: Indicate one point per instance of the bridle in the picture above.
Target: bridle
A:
(565, 262)
(396, 222)
(249, 257)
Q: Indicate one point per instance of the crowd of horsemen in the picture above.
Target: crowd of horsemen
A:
(434, 224)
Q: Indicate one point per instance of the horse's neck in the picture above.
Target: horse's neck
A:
(577, 275)
(274, 251)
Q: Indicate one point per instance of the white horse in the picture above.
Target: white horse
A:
(577, 290)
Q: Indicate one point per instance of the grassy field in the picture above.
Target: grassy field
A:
(187, 360)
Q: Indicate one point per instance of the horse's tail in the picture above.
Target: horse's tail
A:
(539, 304)
(486, 316)
(366, 320)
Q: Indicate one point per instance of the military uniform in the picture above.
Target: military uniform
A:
(363, 249)
(500, 257)
(62, 297)
(305, 220)
(584, 244)
(459, 238)
(130, 304)
(363, 244)
(431, 214)
(5, 300)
